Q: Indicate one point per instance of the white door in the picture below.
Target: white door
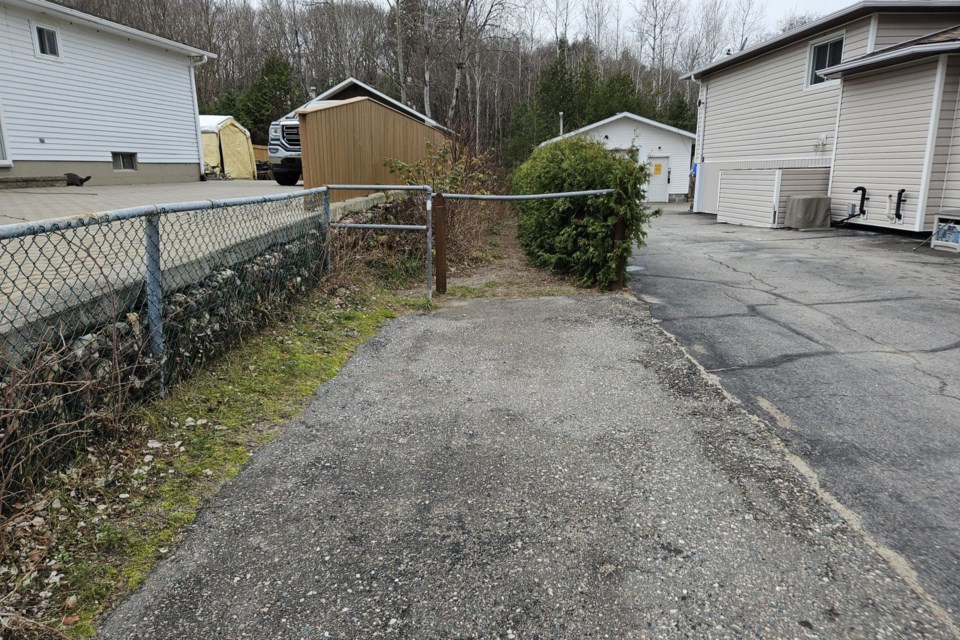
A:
(659, 185)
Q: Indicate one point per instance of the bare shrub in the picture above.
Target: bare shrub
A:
(459, 169)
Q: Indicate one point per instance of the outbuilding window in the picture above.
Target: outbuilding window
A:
(46, 41)
(824, 55)
(124, 161)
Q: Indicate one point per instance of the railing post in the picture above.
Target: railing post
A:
(430, 245)
(328, 257)
(440, 219)
(619, 237)
(154, 279)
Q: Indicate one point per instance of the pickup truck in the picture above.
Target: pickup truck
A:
(284, 150)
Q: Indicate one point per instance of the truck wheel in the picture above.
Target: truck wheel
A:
(286, 178)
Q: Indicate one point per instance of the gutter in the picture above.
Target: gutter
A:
(854, 11)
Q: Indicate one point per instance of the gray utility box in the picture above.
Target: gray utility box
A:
(807, 213)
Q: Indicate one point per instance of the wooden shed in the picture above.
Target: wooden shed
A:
(347, 141)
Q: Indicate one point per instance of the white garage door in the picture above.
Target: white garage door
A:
(749, 197)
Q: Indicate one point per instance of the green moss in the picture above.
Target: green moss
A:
(235, 407)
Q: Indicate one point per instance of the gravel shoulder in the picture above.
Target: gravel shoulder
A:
(523, 468)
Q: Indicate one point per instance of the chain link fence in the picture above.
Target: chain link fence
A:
(98, 312)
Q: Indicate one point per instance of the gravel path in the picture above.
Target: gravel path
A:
(535, 468)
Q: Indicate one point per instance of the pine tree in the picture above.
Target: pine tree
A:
(274, 93)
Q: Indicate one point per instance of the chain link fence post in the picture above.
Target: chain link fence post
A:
(154, 280)
(327, 240)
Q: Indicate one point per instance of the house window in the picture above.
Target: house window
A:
(824, 55)
(124, 161)
(46, 41)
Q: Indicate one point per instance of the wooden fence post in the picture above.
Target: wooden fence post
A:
(619, 237)
(440, 232)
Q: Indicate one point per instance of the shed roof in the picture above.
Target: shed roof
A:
(324, 105)
(72, 15)
(835, 19)
(932, 44)
(622, 114)
(352, 85)
(214, 123)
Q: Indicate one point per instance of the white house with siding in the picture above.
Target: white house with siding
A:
(88, 96)
(862, 101)
(666, 150)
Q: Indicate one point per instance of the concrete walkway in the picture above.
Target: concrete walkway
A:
(538, 468)
(848, 342)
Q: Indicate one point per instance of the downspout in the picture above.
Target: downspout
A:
(196, 110)
(698, 142)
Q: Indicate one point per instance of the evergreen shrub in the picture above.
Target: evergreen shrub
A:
(575, 236)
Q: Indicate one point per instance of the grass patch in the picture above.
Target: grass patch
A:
(105, 522)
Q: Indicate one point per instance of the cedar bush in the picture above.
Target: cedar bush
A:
(575, 236)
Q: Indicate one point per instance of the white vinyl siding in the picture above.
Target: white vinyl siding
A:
(763, 107)
(894, 28)
(800, 182)
(748, 197)
(884, 124)
(106, 93)
(625, 133)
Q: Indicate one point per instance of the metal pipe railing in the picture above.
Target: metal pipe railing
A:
(531, 196)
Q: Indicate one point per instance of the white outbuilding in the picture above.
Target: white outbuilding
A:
(666, 150)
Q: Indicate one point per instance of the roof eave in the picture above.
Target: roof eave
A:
(134, 34)
(854, 11)
(899, 56)
(430, 122)
(617, 116)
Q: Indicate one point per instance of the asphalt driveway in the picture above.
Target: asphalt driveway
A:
(538, 468)
(849, 343)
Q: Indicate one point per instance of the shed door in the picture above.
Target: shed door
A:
(749, 197)
(658, 189)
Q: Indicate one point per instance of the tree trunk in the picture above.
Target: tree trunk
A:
(426, 87)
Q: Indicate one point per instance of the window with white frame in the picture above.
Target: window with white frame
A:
(823, 55)
(124, 161)
(46, 41)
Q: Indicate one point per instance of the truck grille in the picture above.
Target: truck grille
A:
(291, 134)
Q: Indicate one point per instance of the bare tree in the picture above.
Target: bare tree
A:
(795, 19)
(747, 19)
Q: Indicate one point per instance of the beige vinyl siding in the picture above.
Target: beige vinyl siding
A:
(944, 147)
(894, 28)
(884, 124)
(708, 175)
(747, 197)
(801, 182)
(764, 109)
(945, 178)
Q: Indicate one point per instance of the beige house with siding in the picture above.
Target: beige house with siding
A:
(860, 103)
